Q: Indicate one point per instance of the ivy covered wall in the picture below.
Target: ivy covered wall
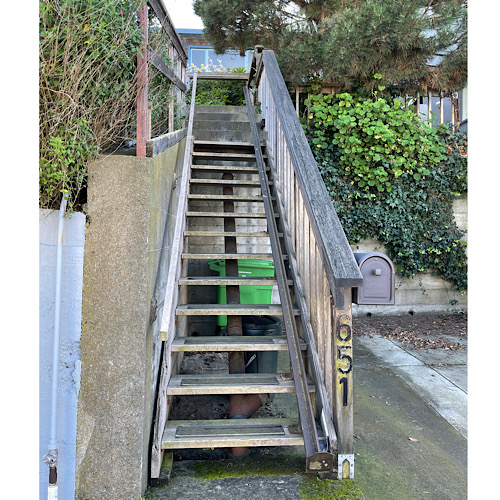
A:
(394, 180)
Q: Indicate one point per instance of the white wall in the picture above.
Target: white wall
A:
(69, 366)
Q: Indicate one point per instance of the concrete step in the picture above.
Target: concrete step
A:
(232, 343)
(224, 433)
(205, 108)
(243, 383)
(227, 116)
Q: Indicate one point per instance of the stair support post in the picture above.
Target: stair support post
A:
(240, 405)
(318, 459)
(343, 383)
(142, 84)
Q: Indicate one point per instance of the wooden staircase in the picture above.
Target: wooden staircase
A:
(236, 203)
(229, 167)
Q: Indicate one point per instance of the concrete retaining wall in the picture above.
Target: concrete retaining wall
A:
(424, 293)
(70, 329)
(131, 216)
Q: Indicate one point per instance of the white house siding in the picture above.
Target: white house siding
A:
(69, 366)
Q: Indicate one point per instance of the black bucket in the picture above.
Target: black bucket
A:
(261, 361)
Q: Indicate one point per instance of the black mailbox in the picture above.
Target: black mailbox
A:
(378, 279)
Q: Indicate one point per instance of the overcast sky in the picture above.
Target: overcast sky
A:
(181, 13)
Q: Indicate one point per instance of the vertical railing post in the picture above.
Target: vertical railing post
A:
(343, 384)
(171, 54)
(429, 107)
(142, 83)
(441, 108)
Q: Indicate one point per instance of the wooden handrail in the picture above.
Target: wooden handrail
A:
(214, 75)
(171, 292)
(339, 262)
(321, 261)
(171, 295)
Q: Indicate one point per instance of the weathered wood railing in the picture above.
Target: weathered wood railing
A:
(171, 296)
(322, 262)
(175, 73)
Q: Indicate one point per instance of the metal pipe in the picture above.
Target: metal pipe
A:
(429, 107)
(51, 458)
(142, 84)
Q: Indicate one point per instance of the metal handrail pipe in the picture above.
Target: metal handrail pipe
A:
(51, 459)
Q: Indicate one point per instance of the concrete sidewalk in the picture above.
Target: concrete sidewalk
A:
(410, 421)
(410, 427)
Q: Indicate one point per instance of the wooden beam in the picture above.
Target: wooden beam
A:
(162, 66)
(142, 85)
(343, 385)
(220, 76)
(159, 144)
(167, 24)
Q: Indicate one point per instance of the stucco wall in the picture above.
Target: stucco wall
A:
(424, 293)
(70, 330)
(131, 212)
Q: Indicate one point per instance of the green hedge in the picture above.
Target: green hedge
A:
(393, 178)
(88, 52)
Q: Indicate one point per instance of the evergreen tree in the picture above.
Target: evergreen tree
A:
(408, 44)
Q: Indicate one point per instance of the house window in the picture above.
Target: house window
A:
(205, 59)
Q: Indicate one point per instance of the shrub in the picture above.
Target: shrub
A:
(378, 139)
(394, 179)
(219, 92)
(88, 51)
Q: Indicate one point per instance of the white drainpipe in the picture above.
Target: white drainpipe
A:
(51, 458)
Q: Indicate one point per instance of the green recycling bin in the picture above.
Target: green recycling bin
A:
(249, 294)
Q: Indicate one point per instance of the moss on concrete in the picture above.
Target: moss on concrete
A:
(205, 475)
(313, 488)
(264, 466)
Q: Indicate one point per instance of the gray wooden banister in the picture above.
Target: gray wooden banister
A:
(321, 261)
(338, 259)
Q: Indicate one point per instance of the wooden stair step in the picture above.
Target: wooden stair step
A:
(229, 280)
(230, 256)
(232, 215)
(224, 143)
(225, 168)
(224, 433)
(243, 383)
(232, 182)
(232, 343)
(225, 156)
(242, 234)
(228, 197)
(231, 310)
